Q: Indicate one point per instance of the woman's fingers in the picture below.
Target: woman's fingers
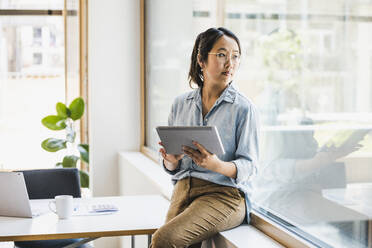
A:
(201, 148)
(180, 156)
(192, 157)
(162, 151)
(162, 148)
(359, 146)
(193, 154)
(191, 151)
(172, 158)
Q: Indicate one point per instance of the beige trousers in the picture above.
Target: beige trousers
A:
(199, 209)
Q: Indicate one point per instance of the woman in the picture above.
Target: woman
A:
(211, 192)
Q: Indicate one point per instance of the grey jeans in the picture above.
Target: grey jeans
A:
(199, 209)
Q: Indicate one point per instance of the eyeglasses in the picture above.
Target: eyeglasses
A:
(222, 57)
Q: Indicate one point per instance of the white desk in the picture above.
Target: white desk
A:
(137, 215)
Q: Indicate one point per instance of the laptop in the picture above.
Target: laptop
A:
(14, 199)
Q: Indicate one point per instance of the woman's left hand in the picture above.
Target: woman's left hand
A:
(202, 157)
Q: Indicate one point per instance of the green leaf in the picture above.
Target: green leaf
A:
(62, 110)
(70, 161)
(54, 122)
(84, 152)
(53, 145)
(59, 165)
(84, 179)
(77, 108)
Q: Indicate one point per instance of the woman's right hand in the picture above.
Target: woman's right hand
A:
(170, 158)
(335, 153)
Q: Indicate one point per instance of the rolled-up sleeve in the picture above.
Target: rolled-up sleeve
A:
(170, 123)
(247, 151)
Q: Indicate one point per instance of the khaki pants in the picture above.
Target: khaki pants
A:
(199, 209)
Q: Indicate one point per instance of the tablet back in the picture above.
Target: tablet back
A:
(174, 138)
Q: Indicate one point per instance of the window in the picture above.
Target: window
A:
(307, 66)
(37, 39)
(32, 79)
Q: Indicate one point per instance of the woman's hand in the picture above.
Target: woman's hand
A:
(170, 158)
(202, 157)
(335, 153)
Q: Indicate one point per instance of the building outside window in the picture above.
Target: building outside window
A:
(307, 67)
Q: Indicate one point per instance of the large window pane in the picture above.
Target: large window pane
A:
(31, 83)
(307, 66)
(307, 69)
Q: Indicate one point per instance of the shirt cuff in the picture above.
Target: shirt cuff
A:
(244, 170)
(172, 172)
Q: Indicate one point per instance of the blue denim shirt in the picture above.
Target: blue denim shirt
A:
(236, 119)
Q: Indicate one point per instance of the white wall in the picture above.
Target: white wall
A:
(114, 91)
(114, 84)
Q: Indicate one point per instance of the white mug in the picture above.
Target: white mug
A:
(63, 206)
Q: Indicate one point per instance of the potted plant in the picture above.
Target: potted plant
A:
(65, 120)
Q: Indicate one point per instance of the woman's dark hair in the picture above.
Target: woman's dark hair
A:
(203, 45)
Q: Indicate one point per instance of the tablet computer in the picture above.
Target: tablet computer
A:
(175, 137)
(346, 138)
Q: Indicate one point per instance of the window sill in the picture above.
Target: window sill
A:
(153, 179)
(248, 234)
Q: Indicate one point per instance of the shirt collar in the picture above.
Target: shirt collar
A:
(228, 95)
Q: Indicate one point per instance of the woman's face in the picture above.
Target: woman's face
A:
(222, 62)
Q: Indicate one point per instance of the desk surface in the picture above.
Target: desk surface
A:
(137, 215)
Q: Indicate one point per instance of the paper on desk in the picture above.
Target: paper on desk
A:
(83, 210)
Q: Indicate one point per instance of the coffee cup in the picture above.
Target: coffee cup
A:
(63, 206)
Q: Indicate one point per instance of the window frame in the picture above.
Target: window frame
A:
(82, 64)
